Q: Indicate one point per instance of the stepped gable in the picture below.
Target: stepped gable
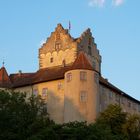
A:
(61, 36)
(84, 34)
(82, 62)
(4, 78)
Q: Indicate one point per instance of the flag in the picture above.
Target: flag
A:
(69, 25)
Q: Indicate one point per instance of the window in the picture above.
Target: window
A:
(51, 59)
(89, 50)
(110, 95)
(129, 104)
(83, 75)
(35, 92)
(59, 85)
(134, 106)
(117, 98)
(89, 41)
(63, 63)
(83, 96)
(57, 46)
(69, 77)
(123, 100)
(44, 92)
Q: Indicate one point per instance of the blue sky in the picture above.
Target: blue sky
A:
(115, 24)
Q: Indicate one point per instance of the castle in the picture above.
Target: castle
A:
(69, 79)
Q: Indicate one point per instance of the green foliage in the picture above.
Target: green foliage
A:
(114, 118)
(20, 116)
(26, 118)
(132, 127)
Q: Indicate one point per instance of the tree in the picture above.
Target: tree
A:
(132, 127)
(26, 118)
(114, 118)
(20, 116)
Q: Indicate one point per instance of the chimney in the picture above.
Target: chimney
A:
(19, 72)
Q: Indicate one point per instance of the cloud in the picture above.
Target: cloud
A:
(118, 2)
(98, 3)
(101, 3)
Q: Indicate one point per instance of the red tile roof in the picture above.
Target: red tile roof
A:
(43, 75)
(82, 62)
(4, 78)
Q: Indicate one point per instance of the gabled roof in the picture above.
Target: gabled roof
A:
(82, 62)
(42, 75)
(4, 78)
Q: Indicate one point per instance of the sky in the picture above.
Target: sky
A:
(115, 25)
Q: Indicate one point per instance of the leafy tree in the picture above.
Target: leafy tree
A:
(114, 118)
(20, 116)
(26, 118)
(132, 127)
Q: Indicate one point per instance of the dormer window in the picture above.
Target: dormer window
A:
(51, 60)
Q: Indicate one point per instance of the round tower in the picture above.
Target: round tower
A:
(81, 91)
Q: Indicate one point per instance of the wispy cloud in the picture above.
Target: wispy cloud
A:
(101, 3)
(118, 2)
(98, 3)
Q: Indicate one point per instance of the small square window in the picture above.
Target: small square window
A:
(110, 95)
(59, 85)
(129, 104)
(44, 92)
(123, 100)
(51, 59)
(35, 92)
(64, 63)
(89, 50)
(134, 106)
(69, 77)
(83, 75)
(83, 96)
(117, 98)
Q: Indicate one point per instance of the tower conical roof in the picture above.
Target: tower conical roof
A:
(4, 78)
(82, 62)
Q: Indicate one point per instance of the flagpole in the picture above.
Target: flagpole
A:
(69, 26)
